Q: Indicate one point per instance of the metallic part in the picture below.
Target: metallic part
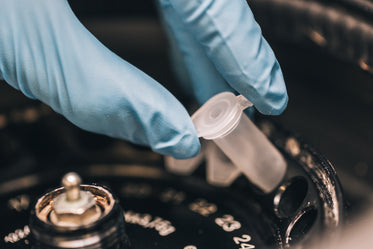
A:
(300, 226)
(95, 220)
(71, 182)
(70, 214)
(62, 205)
(95, 202)
(290, 197)
(74, 207)
(79, 241)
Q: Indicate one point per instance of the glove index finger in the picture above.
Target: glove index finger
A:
(233, 41)
(48, 54)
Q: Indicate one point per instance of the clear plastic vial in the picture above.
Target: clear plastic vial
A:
(222, 120)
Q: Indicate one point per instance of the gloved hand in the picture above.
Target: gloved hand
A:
(217, 45)
(47, 54)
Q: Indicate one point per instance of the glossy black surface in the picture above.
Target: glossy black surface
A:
(189, 210)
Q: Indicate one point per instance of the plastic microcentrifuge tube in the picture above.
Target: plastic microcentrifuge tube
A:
(221, 119)
(185, 166)
(220, 169)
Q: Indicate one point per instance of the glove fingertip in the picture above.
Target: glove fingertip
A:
(270, 95)
(280, 108)
(187, 146)
(273, 107)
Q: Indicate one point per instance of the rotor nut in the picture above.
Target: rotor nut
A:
(74, 207)
(75, 213)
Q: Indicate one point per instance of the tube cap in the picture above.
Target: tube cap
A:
(219, 115)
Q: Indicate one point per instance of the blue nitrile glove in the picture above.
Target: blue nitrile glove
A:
(218, 41)
(49, 55)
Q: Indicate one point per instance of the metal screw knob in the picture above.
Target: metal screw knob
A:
(74, 207)
(71, 182)
(91, 219)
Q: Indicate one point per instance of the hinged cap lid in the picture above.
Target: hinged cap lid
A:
(219, 115)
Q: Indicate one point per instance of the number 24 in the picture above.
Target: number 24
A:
(241, 241)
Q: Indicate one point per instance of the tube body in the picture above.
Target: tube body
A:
(252, 152)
